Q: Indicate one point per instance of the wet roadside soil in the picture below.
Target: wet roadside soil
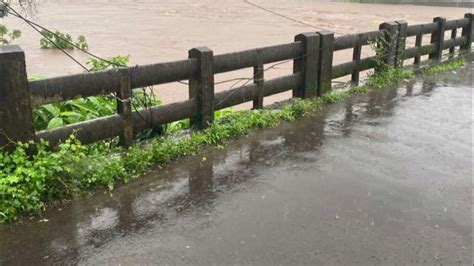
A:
(380, 179)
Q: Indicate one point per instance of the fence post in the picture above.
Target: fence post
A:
(468, 32)
(418, 42)
(388, 51)
(325, 59)
(201, 87)
(356, 53)
(258, 79)
(16, 118)
(401, 42)
(307, 65)
(437, 38)
(124, 108)
(454, 33)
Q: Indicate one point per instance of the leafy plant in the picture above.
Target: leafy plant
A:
(381, 48)
(8, 36)
(114, 62)
(27, 183)
(82, 43)
(56, 115)
(59, 40)
(184, 124)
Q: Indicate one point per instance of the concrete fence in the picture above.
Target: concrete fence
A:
(313, 72)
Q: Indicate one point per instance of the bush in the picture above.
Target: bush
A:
(59, 40)
(27, 183)
(8, 36)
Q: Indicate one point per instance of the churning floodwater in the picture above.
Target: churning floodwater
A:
(379, 179)
(158, 31)
(440, 3)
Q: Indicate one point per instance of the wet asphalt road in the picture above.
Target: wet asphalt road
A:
(382, 179)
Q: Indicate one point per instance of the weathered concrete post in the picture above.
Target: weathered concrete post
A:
(418, 42)
(16, 121)
(356, 54)
(437, 38)
(401, 42)
(388, 51)
(454, 33)
(307, 65)
(258, 79)
(124, 108)
(325, 59)
(468, 32)
(201, 87)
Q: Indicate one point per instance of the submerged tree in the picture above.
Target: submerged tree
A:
(8, 36)
(27, 7)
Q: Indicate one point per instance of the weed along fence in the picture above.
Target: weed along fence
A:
(313, 72)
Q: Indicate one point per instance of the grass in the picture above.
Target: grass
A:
(444, 67)
(29, 183)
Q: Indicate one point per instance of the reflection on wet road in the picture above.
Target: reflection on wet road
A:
(384, 178)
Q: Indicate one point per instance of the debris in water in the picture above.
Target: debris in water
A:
(372, 223)
(436, 226)
(188, 246)
(242, 242)
(337, 217)
(445, 209)
(458, 259)
(263, 196)
(44, 220)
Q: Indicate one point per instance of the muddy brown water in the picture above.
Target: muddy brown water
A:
(158, 31)
(380, 179)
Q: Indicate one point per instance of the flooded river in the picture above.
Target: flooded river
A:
(156, 31)
(380, 179)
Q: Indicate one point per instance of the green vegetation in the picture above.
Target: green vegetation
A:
(61, 40)
(444, 67)
(29, 183)
(56, 115)
(384, 78)
(8, 36)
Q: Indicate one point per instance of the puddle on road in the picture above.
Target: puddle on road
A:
(167, 210)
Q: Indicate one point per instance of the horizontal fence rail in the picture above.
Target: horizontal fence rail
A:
(313, 72)
(106, 82)
(353, 40)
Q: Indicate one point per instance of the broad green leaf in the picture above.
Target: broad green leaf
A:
(55, 123)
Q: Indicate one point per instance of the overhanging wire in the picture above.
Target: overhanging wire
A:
(35, 26)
